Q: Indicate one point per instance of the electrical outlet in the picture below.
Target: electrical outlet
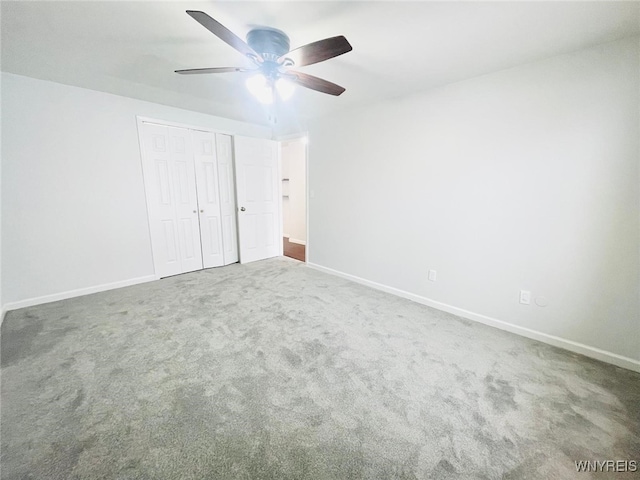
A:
(432, 275)
(525, 297)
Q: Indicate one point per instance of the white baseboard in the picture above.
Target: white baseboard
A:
(30, 302)
(299, 242)
(589, 351)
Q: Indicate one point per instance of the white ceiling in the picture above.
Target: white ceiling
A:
(132, 48)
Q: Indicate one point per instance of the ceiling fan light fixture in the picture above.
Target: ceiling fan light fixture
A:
(285, 88)
(260, 88)
(269, 49)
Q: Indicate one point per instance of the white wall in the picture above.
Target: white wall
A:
(526, 178)
(73, 204)
(294, 159)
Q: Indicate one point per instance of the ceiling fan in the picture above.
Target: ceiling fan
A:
(268, 48)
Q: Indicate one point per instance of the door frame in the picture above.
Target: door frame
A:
(284, 138)
(169, 123)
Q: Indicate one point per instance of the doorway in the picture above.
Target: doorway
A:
(293, 154)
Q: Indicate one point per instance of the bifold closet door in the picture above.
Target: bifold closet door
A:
(216, 198)
(206, 167)
(227, 185)
(172, 203)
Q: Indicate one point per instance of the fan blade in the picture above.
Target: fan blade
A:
(191, 71)
(315, 83)
(317, 51)
(224, 34)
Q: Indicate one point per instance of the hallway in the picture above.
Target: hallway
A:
(294, 250)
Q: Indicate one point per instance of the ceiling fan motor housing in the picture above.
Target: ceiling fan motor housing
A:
(268, 42)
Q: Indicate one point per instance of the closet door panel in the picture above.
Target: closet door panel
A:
(156, 159)
(227, 198)
(206, 174)
(186, 199)
(171, 199)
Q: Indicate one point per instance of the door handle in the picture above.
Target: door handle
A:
(195, 211)
(201, 211)
(242, 209)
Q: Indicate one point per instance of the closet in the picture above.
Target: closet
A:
(190, 192)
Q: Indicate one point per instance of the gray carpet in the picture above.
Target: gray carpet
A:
(275, 371)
